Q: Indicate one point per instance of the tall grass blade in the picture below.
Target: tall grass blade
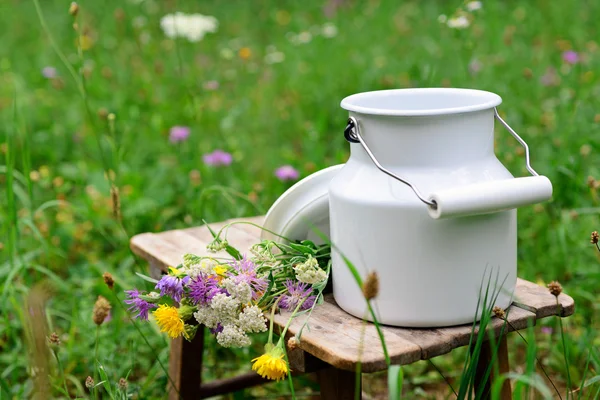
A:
(395, 380)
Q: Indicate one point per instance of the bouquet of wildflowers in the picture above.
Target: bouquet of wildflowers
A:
(232, 296)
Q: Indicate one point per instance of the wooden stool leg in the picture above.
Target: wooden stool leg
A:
(485, 358)
(185, 367)
(337, 384)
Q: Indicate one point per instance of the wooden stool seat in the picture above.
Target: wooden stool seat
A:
(336, 341)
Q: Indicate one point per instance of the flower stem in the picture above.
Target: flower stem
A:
(537, 359)
(388, 361)
(270, 340)
(565, 352)
(96, 360)
(61, 371)
(154, 352)
(289, 322)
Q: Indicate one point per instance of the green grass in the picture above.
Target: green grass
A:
(55, 204)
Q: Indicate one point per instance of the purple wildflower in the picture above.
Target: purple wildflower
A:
(138, 305)
(172, 286)
(217, 157)
(179, 134)
(287, 173)
(203, 289)
(546, 330)
(297, 292)
(49, 72)
(216, 330)
(475, 66)
(550, 77)
(244, 270)
(570, 57)
(108, 318)
(211, 85)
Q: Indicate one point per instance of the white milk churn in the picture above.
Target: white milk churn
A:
(425, 203)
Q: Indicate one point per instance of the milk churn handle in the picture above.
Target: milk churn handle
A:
(352, 134)
(520, 140)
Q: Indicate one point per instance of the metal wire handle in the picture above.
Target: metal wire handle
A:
(352, 134)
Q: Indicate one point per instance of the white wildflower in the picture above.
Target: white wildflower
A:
(225, 307)
(274, 57)
(252, 320)
(304, 37)
(195, 267)
(206, 316)
(329, 30)
(241, 291)
(459, 22)
(232, 336)
(193, 27)
(474, 5)
(309, 271)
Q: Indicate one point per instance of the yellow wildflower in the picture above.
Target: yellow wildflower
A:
(245, 53)
(85, 42)
(220, 270)
(271, 365)
(168, 320)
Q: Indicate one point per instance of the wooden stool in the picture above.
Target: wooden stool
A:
(331, 346)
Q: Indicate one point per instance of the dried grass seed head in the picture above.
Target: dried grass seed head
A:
(499, 312)
(371, 285)
(123, 384)
(108, 279)
(89, 382)
(293, 343)
(555, 288)
(54, 340)
(101, 309)
(594, 237)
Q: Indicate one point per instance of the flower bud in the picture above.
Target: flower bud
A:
(74, 9)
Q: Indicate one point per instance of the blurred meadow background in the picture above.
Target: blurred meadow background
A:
(113, 124)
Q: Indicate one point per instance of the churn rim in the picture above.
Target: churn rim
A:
(481, 100)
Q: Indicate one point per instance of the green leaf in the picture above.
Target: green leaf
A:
(533, 381)
(233, 252)
(146, 278)
(309, 243)
(105, 381)
(591, 381)
(268, 290)
(213, 233)
(395, 380)
(302, 248)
